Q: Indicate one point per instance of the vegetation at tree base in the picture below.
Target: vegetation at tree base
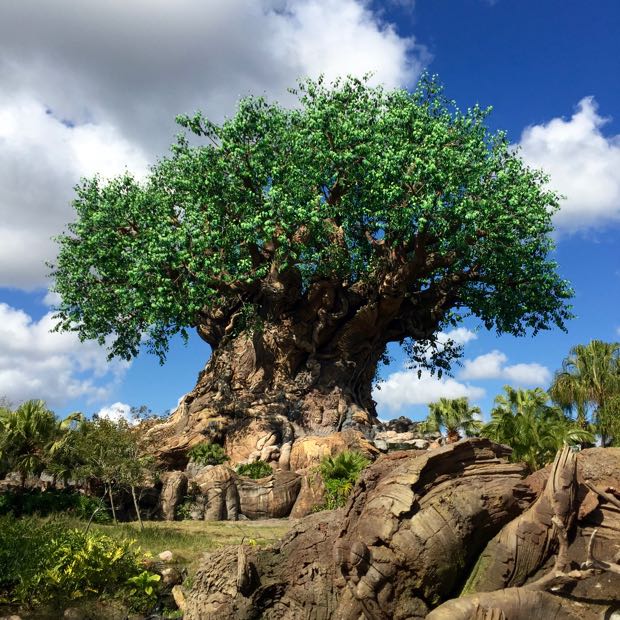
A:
(48, 562)
(208, 454)
(589, 383)
(256, 470)
(360, 217)
(534, 429)
(339, 474)
(453, 415)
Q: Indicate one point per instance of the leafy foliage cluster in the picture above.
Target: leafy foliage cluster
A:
(534, 429)
(339, 474)
(33, 440)
(453, 415)
(357, 186)
(255, 470)
(589, 385)
(48, 562)
(53, 501)
(207, 454)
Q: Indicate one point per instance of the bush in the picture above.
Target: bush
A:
(339, 474)
(256, 470)
(49, 562)
(207, 454)
(45, 503)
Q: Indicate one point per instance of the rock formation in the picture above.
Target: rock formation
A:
(412, 533)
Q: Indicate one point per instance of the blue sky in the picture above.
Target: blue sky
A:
(94, 87)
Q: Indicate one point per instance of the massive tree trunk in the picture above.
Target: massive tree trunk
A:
(307, 357)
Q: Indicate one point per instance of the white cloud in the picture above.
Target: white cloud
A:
(120, 72)
(37, 363)
(116, 412)
(41, 159)
(404, 388)
(459, 335)
(493, 366)
(583, 164)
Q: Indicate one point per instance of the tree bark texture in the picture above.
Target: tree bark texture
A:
(307, 356)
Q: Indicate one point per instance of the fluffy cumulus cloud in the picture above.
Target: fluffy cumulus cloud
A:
(404, 388)
(584, 166)
(55, 367)
(96, 86)
(493, 366)
(116, 412)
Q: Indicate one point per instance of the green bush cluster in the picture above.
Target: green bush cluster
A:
(339, 474)
(52, 501)
(208, 454)
(48, 562)
(256, 470)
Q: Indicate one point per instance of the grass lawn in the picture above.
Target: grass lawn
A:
(188, 540)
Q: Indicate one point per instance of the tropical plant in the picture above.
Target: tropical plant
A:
(207, 454)
(28, 437)
(589, 383)
(452, 415)
(48, 561)
(256, 470)
(534, 429)
(339, 474)
(313, 236)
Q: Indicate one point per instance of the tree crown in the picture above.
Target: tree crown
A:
(380, 193)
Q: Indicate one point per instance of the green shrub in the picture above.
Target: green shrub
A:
(339, 474)
(45, 503)
(49, 562)
(256, 470)
(207, 454)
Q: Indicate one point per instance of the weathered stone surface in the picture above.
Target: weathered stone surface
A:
(172, 493)
(523, 545)
(217, 487)
(270, 497)
(308, 451)
(509, 604)
(412, 526)
(258, 438)
(311, 494)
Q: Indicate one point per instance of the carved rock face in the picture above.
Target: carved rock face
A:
(270, 497)
(308, 451)
(172, 492)
(402, 543)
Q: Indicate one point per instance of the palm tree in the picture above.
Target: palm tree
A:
(26, 435)
(453, 414)
(589, 381)
(534, 429)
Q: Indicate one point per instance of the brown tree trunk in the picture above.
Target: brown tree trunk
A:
(275, 373)
(135, 504)
(111, 496)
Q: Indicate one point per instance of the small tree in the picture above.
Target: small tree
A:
(452, 415)
(109, 451)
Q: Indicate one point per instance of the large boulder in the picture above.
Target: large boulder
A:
(311, 495)
(268, 498)
(174, 488)
(216, 491)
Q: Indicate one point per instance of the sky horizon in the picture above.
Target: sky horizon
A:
(92, 88)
